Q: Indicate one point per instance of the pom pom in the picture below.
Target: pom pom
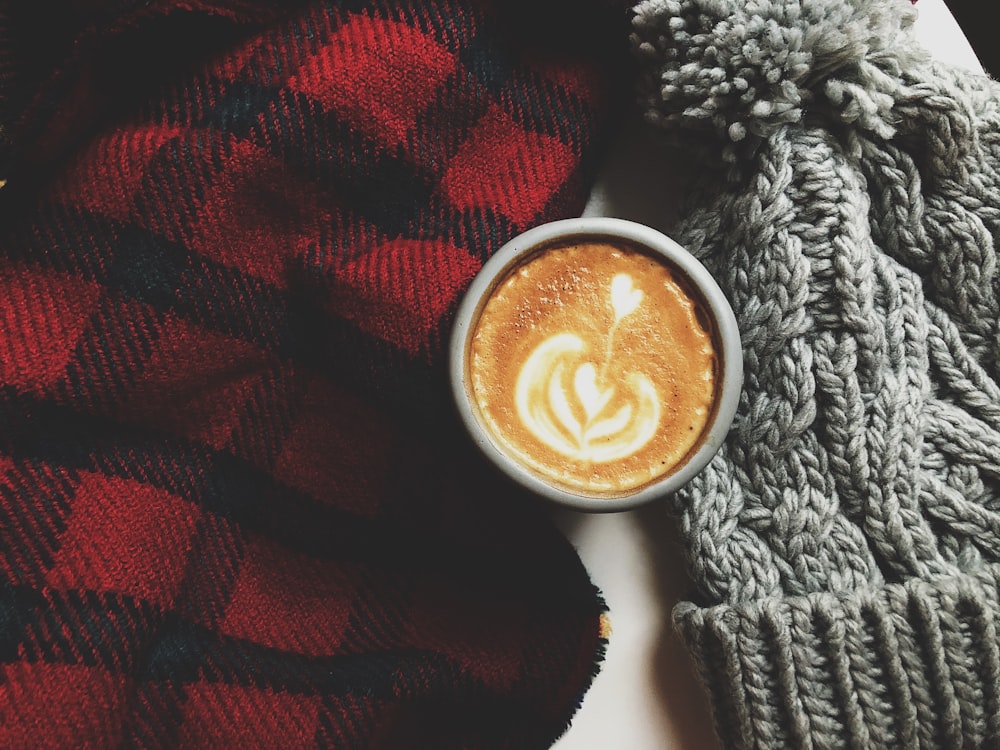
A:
(740, 70)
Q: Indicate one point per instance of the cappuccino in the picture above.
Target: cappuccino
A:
(594, 365)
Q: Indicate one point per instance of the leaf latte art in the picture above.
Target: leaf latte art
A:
(589, 366)
(545, 391)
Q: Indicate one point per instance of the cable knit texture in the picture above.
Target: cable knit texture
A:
(846, 540)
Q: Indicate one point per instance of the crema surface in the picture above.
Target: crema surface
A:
(591, 366)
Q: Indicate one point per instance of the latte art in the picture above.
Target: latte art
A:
(604, 434)
(590, 366)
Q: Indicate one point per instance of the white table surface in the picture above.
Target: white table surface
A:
(646, 696)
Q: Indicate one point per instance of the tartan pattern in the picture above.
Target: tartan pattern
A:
(235, 509)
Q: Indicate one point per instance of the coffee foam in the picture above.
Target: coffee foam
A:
(591, 366)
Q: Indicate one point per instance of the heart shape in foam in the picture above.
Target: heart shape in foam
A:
(624, 297)
(592, 398)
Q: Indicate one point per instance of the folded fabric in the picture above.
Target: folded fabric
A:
(846, 540)
(235, 508)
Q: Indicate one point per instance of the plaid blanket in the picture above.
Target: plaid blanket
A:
(236, 509)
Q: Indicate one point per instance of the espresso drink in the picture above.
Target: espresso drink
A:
(591, 365)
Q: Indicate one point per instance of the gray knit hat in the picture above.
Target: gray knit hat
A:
(845, 542)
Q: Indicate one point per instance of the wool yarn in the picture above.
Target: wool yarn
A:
(845, 542)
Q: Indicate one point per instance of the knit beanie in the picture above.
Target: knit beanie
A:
(845, 543)
(236, 509)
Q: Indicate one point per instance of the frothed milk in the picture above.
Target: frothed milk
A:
(592, 365)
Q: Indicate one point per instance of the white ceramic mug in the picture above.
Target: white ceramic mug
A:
(728, 362)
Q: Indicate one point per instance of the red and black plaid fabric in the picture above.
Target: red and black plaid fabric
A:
(236, 510)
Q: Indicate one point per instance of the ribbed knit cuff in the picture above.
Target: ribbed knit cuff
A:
(904, 665)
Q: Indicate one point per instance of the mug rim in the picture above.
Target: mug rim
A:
(516, 250)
